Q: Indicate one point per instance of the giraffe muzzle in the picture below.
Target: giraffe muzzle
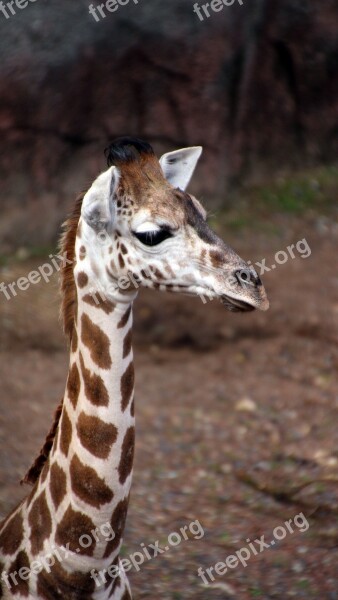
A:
(247, 292)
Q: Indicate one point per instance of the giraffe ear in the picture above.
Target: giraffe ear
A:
(178, 166)
(98, 208)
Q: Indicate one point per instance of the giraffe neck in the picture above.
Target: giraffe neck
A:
(96, 439)
(90, 467)
(76, 513)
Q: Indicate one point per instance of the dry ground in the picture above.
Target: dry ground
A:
(234, 414)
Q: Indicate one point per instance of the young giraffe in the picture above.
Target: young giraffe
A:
(135, 226)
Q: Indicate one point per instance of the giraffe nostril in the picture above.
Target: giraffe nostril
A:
(247, 277)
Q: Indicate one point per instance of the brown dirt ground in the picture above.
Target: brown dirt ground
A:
(234, 413)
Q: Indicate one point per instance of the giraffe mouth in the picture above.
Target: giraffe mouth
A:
(236, 305)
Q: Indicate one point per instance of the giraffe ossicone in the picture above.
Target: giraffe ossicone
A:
(135, 222)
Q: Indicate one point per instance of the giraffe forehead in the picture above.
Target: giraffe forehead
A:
(169, 205)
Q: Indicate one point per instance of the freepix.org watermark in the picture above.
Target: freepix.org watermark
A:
(125, 282)
(301, 248)
(253, 548)
(8, 9)
(100, 11)
(203, 11)
(104, 533)
(42, 273)
(147, 553)
(131, 280)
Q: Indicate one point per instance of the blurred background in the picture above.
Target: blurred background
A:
(237, 414)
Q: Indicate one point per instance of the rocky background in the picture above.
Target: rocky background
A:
(236, 414)
(255, 84)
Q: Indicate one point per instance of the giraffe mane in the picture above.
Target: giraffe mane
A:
(34, 471)
(127, 149)
(68, 310)
(67, 281)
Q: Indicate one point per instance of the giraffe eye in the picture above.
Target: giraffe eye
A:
(153, 238)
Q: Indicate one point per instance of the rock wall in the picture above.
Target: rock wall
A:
(256, 84)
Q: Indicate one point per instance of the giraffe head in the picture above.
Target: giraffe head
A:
(139, 227)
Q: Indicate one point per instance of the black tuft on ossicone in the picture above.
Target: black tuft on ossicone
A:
(126, 149)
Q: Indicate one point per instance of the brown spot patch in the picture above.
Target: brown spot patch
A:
(87, 485)
(82, 252)
(132, 408)
(22, 585)
(97, 342)
(98, 302)
(95, 435)
(65, 432)
(45, 470)
(169, 270)
(61, 585)
(127, 455)
(157, 273)
(127, 385)
(30, 499)
(73, 384)
(40, 522)
(82, 279)
(56, 439)
(127, 343)
(121, 261)
(11, 535)
(124, 319)
(123, 249)
(216, 257)
(117, 523)
(58, 484)
(95, 389)
(145, 274)
(74, 340)
(73, 525)
(113, 576)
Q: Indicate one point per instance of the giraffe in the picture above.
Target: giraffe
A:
(135, 227)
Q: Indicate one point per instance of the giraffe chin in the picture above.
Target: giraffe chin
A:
(236, 305)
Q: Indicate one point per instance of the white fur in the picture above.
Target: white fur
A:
(98, 207)
(178, 166)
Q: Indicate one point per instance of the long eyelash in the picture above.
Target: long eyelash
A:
(152, 238)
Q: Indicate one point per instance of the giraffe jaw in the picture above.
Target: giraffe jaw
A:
(236, 305)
